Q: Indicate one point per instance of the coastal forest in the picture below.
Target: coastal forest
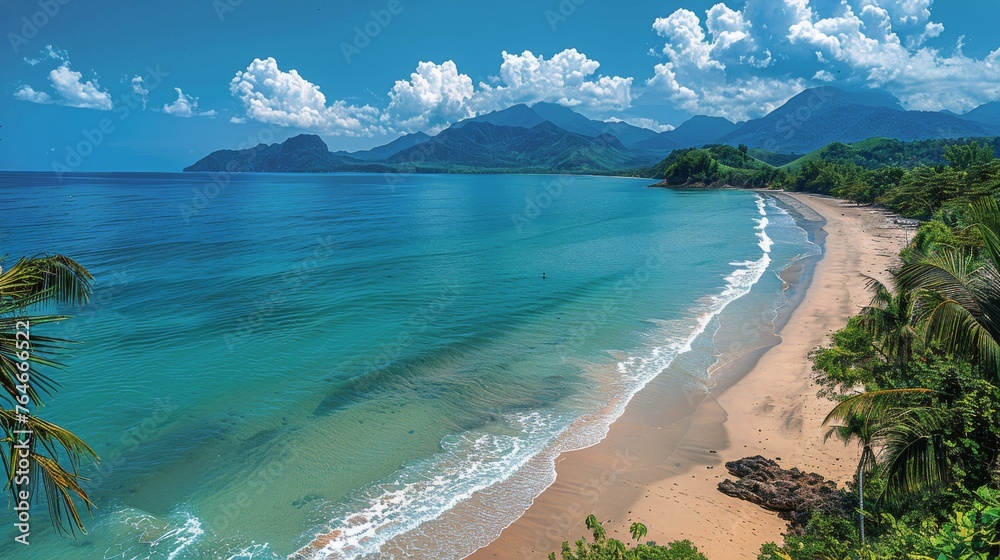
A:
(914, 378)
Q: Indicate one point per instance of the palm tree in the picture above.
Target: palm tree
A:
(960, 298)
(638, 531)
(889, 319)
(864, 430)
(908, 431)
(30, 283)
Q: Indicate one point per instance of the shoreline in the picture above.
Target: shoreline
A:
(663, 472)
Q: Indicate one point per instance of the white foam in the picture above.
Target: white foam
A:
(184, 535)
(471, 462)
(143, 536)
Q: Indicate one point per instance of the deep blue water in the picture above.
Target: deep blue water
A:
(285, 355)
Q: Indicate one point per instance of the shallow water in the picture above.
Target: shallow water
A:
(287, 355)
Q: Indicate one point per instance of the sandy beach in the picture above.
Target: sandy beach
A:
(661, 468)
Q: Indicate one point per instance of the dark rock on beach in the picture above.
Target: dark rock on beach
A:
(792, 493)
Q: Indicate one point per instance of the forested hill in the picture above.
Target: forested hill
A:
(917, 179)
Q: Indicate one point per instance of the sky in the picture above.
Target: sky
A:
(135, 85)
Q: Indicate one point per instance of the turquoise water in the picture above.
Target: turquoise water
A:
(278, 356)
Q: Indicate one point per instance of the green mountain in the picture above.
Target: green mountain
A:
(863, 128)
(987, 114)
(819, 116)
(387, 150)
(486, 146)
(879, 152)
(305, 153)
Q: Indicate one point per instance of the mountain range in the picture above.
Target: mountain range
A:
(547, 137)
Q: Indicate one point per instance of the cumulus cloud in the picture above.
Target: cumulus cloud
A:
(185, 106)
(824, 76)
(725, 66)
(908, 11)
(273, 96)
(866, 43)
(434, 96)
(568, 78)
(77, 93)
(717, 73)
(71, 90)
(26, 93)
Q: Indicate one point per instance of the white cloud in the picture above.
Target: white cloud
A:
(568, 78)
(702, 72)
(434, 96)
(931, 30)
(642, 122)
(140, 89)
(71, 91)
(271, 95)
(823, 76)
(237, 120)
(908, 11)
(55, 53)
(185, 106)
(26, 93)
(77, 93)
(872, 50)
(730, 71)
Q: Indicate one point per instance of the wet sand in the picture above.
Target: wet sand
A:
(660, 464)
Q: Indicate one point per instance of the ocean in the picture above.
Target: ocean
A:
(271, 357)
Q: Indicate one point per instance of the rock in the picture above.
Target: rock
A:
(792, 493)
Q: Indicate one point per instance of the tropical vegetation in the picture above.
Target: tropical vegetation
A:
(34, 452)
(916, 377)
(603, 548)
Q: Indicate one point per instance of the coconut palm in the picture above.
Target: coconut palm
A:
(863, 429)
(889, 319)
(54, 454)
(960, 297)
(907, 429)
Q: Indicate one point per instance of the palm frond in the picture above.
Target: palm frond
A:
(985, 214)
(873, 404)
(61, 488)
(958, 331)
(881, 295)
(916, 457)
(42, 352)
(43, 279)
(46, 443)
(946, 272)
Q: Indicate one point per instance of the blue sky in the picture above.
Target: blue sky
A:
(127, 85)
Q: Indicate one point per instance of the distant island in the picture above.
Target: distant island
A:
(550, 138)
